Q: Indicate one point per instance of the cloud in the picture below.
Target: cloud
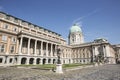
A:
(85, 16)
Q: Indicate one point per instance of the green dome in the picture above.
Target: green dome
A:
(75, 28)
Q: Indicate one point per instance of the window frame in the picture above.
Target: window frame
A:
(6, 26)
(13, 39)
(12, 49)
(15, 29)
(4, 37)
(2, 48)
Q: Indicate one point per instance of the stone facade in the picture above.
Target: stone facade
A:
(22, 42)
(117, 50)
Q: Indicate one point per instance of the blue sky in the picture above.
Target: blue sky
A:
(99, 18)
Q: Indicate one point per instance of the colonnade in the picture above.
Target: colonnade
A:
(44, 50)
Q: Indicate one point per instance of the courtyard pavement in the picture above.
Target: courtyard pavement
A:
(104, 72)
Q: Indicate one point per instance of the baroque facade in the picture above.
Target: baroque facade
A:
(22, 42)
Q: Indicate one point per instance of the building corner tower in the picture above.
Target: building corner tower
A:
(75, 35)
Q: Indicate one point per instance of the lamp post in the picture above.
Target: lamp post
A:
(59, 65)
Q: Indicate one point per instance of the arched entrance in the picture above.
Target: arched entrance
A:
(23, 61)
(31, 60)
(38, 61)
(69, 61)
(44, 61)
(49, 61)
(1, 59)
(53, 61)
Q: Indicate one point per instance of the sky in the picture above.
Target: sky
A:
(98, 18)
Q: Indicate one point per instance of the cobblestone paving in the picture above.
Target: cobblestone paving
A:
(104, 72)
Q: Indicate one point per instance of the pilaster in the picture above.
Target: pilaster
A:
(17, 44)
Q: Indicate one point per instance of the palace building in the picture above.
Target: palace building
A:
(22, 42)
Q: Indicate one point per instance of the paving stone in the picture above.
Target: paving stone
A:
(104, 72)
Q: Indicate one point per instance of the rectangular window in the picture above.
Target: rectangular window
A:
(6, 26)
(1, 60)
(4, 38)
(2, 48)
(12, 49)
(15, 29)
(13, 39)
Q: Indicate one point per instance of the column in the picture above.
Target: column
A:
(41, 48)
(28, 48)
(104, 51)
(27, 61)
(3, 61)
(46, 49)
(51, 61)
(93, 49)
(18, 60)
(34, 61)
(107, 50)
(7, 60)
(41, 61)
(51, 49)
(17, 44)
(46, 62)
(55, 50)
(20, 47)
(8, 45)
(35, 47)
